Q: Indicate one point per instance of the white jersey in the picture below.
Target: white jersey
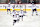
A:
(8, 6)
(17, 16)
(14, 13)
(21, 13)
(33, 6)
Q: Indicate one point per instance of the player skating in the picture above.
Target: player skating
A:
(16, 19)
(14, 15)
(8, 7)
(14, 12)
(34, 8)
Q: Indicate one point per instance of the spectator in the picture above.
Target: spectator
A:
(19, 2)
(34, 1)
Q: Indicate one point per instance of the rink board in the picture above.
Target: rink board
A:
(19, 9)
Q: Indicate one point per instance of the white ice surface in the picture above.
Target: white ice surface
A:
(6, 20)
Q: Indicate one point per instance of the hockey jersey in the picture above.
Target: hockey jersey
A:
(21, 13)
(33, 6)
(8, 6)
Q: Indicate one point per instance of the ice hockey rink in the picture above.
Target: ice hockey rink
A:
(6, 20)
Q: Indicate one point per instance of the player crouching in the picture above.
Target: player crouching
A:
(16, 19)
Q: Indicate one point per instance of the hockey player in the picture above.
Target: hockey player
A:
(34, 8)
(16, 19)
(13, 7)
(21, 14)
(14, 13)
(8, 8)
